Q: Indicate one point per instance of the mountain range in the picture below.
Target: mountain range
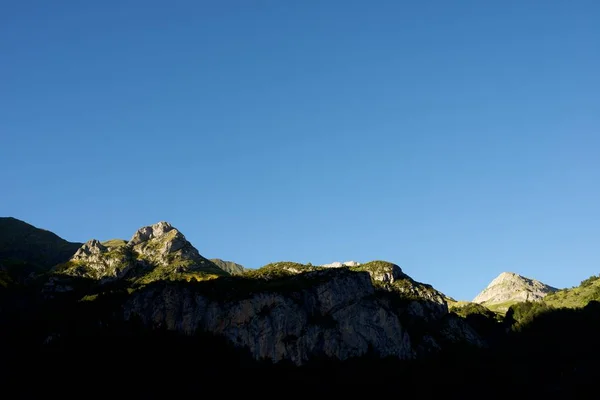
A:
(56, 296)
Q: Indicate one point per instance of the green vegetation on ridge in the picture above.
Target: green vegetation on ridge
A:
(377, 267)
(228, 266)
(522, 314)
(501, 308)
(577, 297)
(278, 270)
(468, 308)
(115, 243)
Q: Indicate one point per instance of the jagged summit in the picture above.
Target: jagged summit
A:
(88, 249)
(155, 252)
(150, 232)
(161, 241)
(509, 288)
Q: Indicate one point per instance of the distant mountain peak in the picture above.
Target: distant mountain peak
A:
(338, 264)
(510, 287)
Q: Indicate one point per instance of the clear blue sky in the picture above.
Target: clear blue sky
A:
(458, 139)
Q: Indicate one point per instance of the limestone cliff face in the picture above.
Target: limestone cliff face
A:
(511, 287)
(423, 300)
(338, 316)
(91, 251)
(455, 330)
(154, 252)
(295, 312)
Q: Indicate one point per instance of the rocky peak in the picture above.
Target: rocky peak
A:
(161, 243)
(95, 260)
(506, 277)
(90, 249)
(512, 287)
(154, 252)
(150, 232)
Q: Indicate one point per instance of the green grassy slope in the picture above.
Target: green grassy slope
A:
(576, 297)
(228, 266)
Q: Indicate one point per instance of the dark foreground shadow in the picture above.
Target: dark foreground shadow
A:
(83, 350)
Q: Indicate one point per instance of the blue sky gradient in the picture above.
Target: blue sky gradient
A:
(457, 139)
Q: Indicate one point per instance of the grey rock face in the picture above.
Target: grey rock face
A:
(90, 250)
(337, 317)
(456, 330)
(509, 287)
(342, 314)
(388, 274)
(163, 245)
(94, 260)
(150, 232)
(428, 303)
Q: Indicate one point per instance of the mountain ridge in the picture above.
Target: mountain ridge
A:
(160, 279)
(368, 319)
(114, 245)
(26, 249)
